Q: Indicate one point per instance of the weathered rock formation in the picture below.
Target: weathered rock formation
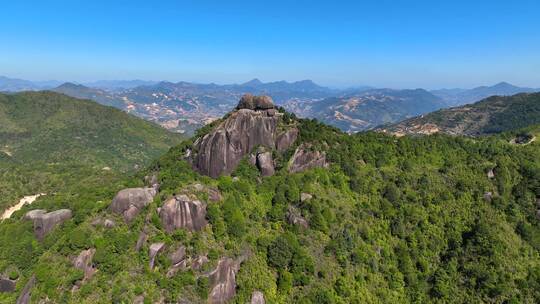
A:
(24, 297)
(7, 285)
(199, 262)
(107, 223)
(223, 281)
(305, 197)
(84, 263)
(295, 218)
(181, 211)
(265, 163)
(153, 252)
(45, 222)
(257, 297)
(286, 139)
(304, 159)
(491, 174)
(255, 123)
(129, 202)
(143, 237)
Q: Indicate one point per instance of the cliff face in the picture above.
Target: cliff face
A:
(254, 123)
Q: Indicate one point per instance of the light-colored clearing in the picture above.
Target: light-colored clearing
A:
(25, 200)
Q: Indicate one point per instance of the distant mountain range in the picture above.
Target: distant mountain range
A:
(184, 106)
(456, 97)
(494, 114)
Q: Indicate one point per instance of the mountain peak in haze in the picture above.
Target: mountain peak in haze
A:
(253, 83)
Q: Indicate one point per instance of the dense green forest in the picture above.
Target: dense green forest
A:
(393, 220)
(49, 140)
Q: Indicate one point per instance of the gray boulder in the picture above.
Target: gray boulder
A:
(199, 262)
(294, 218)
(181, 211)
(129, 202)
(252, 102)
(265, 163)
(143, 237)
(304, 159)
(45, 223)
(223, 281)
(305, 197)
(33, 214)
(7, 285)
(84, 263)
(153, 252)
(24, 297)
(178, 255)
(257, 297)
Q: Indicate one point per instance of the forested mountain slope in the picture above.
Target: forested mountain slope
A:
(311, 215)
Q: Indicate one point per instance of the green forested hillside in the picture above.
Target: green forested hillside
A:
(393, 220)
(48, 140)
(492, 115)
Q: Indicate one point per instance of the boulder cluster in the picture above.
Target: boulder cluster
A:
(129, 202)
(45, 222)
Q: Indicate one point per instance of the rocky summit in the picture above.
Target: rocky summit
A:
(254, 123)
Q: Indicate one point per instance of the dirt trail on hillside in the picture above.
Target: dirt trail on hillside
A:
(23, 201)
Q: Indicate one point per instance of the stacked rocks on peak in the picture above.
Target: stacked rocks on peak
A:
(129, 202)
(252, 102)
(255, 123)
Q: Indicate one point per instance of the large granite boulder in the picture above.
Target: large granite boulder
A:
(33, 214)
(7, 285)
(181, 211)
(153, 252)
(84, 262)
(257, 297)
(143, 237)
(45, 222)
(223, 281)
(253, 124)
(265, 163)
(252, 102)
(130, 202)
(304, 158)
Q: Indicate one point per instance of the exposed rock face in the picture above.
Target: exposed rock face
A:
(286, 139)
(183, 212)
(257, 297)
(24, 297)
(153, 252)
(45, 222)
(304, 159)
(488, 196)
(7, 285)
(129, 202)
(103, 222)
(143, 237)
(294, 218)
(223, 281)
(491, 174)
(251, 102)
(178, 255)
(84, 263)
(253, 124)
(33, 214)
(305, 197)
(265, 163)
(199, 262)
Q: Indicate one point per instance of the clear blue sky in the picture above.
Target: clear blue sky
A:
(339, 43)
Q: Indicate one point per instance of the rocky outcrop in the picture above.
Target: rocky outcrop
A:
(106, 223)
(45, 222)
(199, 262)
(84, 263)
(491, 174)
(305, 197)
(286, 139)
(24, 297)
(295, 218)
(265, 164)
(130, 202)
(33, 214)
(143, 237)
(304, 158)
(255, 123)
(7, 285)
(257, 297)
(251, 102)
(181, 211)
(153, 252)
(223, 281)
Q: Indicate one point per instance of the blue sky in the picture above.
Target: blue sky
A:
(398, 44)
